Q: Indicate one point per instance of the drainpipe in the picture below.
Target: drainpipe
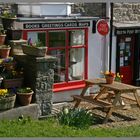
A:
(111, 26)
(107, 41)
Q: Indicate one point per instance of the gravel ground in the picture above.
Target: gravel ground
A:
(119, 118)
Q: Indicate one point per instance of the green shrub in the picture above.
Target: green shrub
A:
(78, 117)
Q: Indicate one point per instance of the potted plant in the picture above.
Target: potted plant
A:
(8, 19)
(7, 99)
(12, 78)
(24, 95)
(109, 76)
(118, 77)
(5, 51)
(8, 63)
(34, 49)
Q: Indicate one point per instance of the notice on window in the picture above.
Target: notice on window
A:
(121, 61)
(121, 53)
(122, 46)
(126, 58)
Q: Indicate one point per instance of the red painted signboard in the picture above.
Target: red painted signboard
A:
(102, 27)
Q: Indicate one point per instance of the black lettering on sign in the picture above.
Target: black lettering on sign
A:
(55, 25)
(127, 31)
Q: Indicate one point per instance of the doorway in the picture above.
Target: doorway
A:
(137, 61)
(125, 58)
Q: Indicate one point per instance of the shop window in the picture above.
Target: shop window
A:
(60, 67)
(57, 39)
(77, 37)
(76, 64)
(37, 37)
(70, 49)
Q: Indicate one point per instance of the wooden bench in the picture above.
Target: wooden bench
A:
(123, 96)
(92, 100)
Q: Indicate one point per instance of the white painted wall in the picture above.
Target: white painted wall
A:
(97, 55)
(45, 9)
(113, 58)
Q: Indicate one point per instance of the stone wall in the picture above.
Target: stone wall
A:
(124, 12)
(39, 75)
(90, 9)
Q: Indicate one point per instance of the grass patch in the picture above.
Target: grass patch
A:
(51, 128)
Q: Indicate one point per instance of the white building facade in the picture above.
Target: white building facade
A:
(81, 50)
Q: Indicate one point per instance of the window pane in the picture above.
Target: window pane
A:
(60, 70)
(77, 37)
(37, 37)
(57, 39)
(76, 64)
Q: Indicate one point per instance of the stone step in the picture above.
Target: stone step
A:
(14, 113)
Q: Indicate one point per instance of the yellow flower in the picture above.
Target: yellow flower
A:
(3, 92)
(107, 72)
(118, 74)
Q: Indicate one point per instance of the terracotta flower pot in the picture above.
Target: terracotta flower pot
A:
(2, 39)
(109, 79)
(24, 98)
(4, 52)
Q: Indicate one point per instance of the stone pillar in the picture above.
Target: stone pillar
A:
(39, 75)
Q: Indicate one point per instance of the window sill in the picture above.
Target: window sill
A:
(68, 87)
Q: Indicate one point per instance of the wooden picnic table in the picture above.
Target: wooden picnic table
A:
(116, 89)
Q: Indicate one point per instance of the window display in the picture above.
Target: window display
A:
(37, 37)
(77, 37)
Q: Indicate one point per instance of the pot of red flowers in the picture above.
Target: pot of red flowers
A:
(109, 76)
(24, 95)
(7, 100)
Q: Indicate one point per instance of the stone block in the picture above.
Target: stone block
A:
(14, 113)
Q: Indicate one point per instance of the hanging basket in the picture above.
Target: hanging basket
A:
(109, 79)
(7, 102)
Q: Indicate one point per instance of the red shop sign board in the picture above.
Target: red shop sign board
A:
(102, 27)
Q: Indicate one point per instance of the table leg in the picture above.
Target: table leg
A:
(117, 98)
(82, 94)
(103, 90)
(137, 97)
(77, 103)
